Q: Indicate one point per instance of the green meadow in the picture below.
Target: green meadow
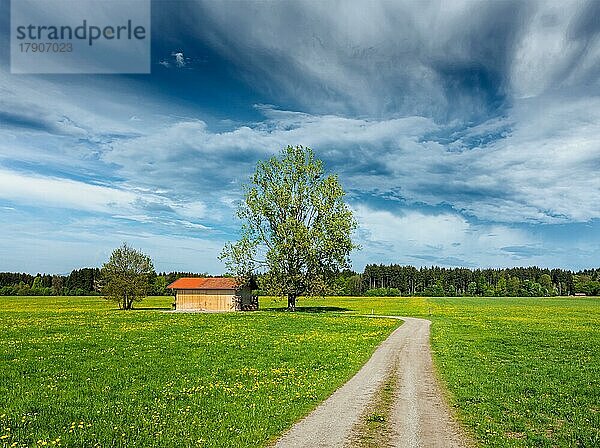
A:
(77, 373)
(520, 372)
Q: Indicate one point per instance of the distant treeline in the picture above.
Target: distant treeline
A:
(80, 282)
(396, 280)
(376, 280)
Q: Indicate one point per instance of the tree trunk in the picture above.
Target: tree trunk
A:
(291, 302)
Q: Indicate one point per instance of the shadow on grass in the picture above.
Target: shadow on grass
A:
(310, 309)
(150, 308)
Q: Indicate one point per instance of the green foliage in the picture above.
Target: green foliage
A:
(472, 289)
(160, 286)
(546, 284)
(37, 282)
(501, 287)
(346, 283)
(587, 284)
(436, 281)
(126, 277)
(296, 226)
(383, 292)
(513, 286)
(58, 285)
(74, 369)
(436, 290)
(428, 281)
(80, 282)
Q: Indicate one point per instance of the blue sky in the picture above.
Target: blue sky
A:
(465, 133)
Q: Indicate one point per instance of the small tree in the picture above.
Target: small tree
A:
(126, 276)
(296, 226)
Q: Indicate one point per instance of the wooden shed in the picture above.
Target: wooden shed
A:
(212, 294)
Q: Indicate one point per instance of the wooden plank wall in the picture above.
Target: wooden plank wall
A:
(205, 299)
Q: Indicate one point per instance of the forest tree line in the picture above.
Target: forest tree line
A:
(397, 280)
(80, 282)
(375, 280)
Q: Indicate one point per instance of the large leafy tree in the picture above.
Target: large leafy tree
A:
(296, 226)
(126, 277)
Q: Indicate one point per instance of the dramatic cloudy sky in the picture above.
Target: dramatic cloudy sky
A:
(465, 133)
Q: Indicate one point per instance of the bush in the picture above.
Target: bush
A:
(383, 292)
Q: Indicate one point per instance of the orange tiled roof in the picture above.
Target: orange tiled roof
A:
(204, 283)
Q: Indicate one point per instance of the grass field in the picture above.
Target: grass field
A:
(77, 373)
(521, 372)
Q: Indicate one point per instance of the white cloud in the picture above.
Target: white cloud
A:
(445, 238)
(193, 209)
(119, 203)
(63, 193)
(554, 51)
(535, 167)
(179, 59)
(412, 226)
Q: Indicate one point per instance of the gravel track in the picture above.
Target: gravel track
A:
(419, 416)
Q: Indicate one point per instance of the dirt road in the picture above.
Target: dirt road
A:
(419, 416)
